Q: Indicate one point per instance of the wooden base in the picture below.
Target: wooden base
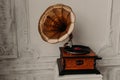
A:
(62, 71)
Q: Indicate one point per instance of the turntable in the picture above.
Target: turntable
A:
(77, 49)
(55, 25)
(82, 60)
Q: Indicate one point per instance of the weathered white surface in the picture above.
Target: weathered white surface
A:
(97, 26)
(8, 42)
(77, 76)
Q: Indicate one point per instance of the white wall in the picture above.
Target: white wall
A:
(91, 26)
(96, 26)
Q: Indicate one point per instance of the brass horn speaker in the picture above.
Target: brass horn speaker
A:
(56, 23)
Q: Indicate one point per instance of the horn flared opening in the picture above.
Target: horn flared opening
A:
(56, 23)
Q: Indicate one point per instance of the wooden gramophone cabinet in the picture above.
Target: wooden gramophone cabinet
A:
(77, 63)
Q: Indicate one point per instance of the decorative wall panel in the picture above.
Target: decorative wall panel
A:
(8, 43)
(97, 25)
(111, 53)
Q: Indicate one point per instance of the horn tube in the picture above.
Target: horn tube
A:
(56, 23)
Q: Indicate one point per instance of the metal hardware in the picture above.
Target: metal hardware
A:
(79, 62)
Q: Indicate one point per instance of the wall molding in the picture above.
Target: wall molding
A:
(108, 46)
(14, 38)
(114, 73)
(110, 52)
(22, 18)
(8, 42)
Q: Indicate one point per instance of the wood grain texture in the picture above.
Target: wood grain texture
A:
(71, 64)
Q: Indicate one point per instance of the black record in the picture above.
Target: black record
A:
(77, 49)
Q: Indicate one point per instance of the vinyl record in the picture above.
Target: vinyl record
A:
(77, 49)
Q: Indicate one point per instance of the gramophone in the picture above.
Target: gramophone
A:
(55, 25)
